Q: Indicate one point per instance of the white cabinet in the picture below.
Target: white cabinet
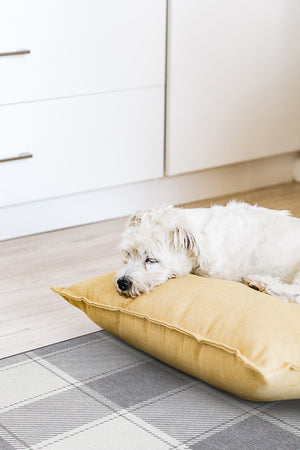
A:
(87, 101)
(80, 46)
(233, 81)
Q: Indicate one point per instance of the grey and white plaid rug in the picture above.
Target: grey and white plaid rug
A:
(97, 392)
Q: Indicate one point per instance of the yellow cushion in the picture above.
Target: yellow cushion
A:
(235, 338)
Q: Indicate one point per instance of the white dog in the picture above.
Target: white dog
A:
(239, 242)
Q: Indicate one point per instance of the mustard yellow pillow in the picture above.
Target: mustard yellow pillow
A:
(237, 339)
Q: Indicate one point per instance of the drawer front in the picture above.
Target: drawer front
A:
(233, 82)
(80, 144)
(79, 47)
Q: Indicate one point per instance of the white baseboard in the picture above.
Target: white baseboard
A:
(93, 206)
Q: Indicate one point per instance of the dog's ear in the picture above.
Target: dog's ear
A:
(135, 220)
(184, 238)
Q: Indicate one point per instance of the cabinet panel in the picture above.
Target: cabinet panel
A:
(80, 46)
(81, 144)
(233, 81)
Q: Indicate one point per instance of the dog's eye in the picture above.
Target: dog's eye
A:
(151, 260)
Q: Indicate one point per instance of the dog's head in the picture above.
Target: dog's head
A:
(156, 246)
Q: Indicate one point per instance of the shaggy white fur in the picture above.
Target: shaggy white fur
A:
(239, 242)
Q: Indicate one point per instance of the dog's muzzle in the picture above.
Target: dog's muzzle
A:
(124, 284)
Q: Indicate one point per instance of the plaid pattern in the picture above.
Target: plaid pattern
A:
(97, 392)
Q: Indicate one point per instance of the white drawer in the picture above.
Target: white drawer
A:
(80, 46)
(80, 144)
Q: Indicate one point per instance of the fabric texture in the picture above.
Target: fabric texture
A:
(228, 335)
(97, 392)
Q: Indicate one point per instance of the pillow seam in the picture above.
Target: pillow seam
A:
(291, 365)
(200, 340)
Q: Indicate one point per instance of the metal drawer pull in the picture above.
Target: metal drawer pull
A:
(24, 155)
(17, 52)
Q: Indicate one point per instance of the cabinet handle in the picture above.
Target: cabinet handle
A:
(24, 155)
(17, 52)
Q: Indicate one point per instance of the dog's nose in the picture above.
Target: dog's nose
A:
(123, 284)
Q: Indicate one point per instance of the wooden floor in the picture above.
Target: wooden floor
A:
(32, 316)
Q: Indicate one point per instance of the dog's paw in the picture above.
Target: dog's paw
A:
(257, 285)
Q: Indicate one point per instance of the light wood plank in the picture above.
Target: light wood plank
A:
(283, 196)
(31, 315)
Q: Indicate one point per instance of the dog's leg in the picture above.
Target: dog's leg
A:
(289, 292)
